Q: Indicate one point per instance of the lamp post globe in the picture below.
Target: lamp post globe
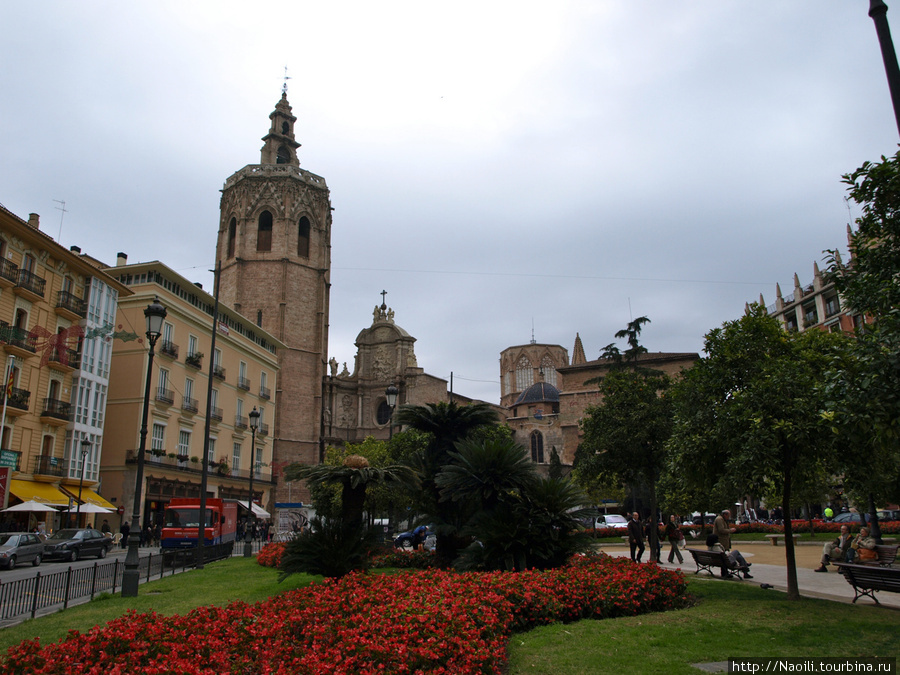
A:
(85, 449)
(155, 314)
(390, 396)
(254, 425)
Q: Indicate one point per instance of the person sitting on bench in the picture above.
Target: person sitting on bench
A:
(735, 559)
(862, 549)
(836, 550)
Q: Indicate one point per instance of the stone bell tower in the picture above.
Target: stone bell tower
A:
(274, 253)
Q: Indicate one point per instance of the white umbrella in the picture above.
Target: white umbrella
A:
(87, 507)
(30, 505)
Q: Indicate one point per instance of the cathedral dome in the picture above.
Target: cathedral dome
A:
(540, 392)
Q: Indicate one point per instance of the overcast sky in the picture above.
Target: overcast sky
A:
(497, 167)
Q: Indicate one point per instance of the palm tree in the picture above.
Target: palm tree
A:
(447, 423)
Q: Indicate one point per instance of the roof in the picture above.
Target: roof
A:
(539, 392)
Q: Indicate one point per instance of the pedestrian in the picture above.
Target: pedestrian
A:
(636, 537)
(648, 535)
(722, 528)
(675, 537)
(104, 528)
(125, 529)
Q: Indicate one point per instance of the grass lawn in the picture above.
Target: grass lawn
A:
(727, 620)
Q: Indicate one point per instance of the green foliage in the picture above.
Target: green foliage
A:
(555, 469)
(328, 547)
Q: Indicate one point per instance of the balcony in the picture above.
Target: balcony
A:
(64, 360)
(215, 414)
(9, 273)
(17, 403)
(194, 360)
(176, 464)
(265, 392)
(164, 395)
(20, 342)
(243, 383)
(45, 465)
(70, 306)
(240, 422)
(55, 412)
(30, 285)
(168, 348)
(218, 371)
(263, 429)
(189, 405)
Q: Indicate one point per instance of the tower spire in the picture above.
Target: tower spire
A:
(280, 146)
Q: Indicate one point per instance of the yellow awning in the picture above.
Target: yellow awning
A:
(44, 493)
(91, 497)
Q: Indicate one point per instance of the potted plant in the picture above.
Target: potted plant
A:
(194, 359)
(171, 455)
(195, 460)
(184, 458)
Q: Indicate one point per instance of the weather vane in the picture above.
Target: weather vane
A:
(286, 78)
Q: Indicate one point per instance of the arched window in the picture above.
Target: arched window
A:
(383, 414)
(264, 232)
(232, 233)
(549, 370)
(303, 237)
(524, 374)
(285, 128)
(284, 156)
(537, 447)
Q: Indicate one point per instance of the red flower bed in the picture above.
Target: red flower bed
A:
(422, 622)
(270, 554)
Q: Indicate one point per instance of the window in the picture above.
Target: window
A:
(184, 442)
(192, 345)
(303, 238)
(211, 450)
(236, 456)
(832, 306)
(264, 231)
(549, 370)
(537, 447)
(524, 374)
(284, 156)
(158, 437)
(28, 263)
(285, 128)
(257, 463)
(168, 332)
(188, 388)
(383, 414)
(217, 357)
(232, 232)
(47, 446)
(67, 285)
(99, 406)
(240, 408)
(214, 398)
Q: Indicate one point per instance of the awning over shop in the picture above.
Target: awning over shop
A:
(44, 493)
(88, 496)
(258, 511)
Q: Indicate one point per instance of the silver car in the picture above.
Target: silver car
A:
(16, 547)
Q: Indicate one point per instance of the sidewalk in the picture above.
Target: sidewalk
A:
(769, 567)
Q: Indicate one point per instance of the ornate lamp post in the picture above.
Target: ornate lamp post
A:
(85, 449)
(878, 12)
(390, 395)
(254, 425)
(155, 314)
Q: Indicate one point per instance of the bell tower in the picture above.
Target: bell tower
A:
(274, 255)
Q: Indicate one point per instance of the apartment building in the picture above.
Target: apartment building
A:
(243, 367)
(57, 312)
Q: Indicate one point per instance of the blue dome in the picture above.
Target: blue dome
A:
(542, 392)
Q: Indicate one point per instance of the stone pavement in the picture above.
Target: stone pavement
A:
(768, 566)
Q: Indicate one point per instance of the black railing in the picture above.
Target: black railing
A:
(165, 395)
(9, 270)
(65, 357)
(168, 348)
(264, 392)
(18, 398)
(46, 465)
(31, 282)
(243, 383)
(189, 404)
(194, 360)
(61, 410)
(72, 303)
(240, 422)
(219, 371)
(215, 413)
(263, 429)
(195, 467)
(21, 338)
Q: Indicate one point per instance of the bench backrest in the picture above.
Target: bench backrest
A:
(877, 578)
(708, 556)
(886, 554)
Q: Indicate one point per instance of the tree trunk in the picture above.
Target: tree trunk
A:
(793, 590)
(654, 524)
(874, 527)
(812, 532)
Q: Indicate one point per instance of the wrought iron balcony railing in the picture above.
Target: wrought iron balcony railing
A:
(168, 348)
(165, 395)
(61, 410)
(66, 300)
(31, 282)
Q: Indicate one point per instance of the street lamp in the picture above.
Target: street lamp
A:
(390, 395)
(85, 449)
(155, 314)
(254, 425)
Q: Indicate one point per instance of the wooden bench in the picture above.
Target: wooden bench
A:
(866, 579)
(886, 556)
(775, 537)
(706, 560)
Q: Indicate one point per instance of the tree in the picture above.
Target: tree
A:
(555, 470)
(446, 424)
(865, 393)
(749, 412)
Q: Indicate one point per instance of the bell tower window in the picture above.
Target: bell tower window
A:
(264, 232)
(303, 238)
(284, 157)
(232, 231)
(285, 128)
(537, 447)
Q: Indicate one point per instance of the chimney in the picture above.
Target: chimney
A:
(75, 249)
(198, 285)
(34, 220)
(121, 259)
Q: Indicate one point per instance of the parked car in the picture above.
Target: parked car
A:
(613, 520)
(889, 514)
(71, 544)
(16, 547)
(847, 517)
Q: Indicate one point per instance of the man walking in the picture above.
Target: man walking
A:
(636, 537)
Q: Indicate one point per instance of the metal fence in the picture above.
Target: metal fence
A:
(21, 598)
